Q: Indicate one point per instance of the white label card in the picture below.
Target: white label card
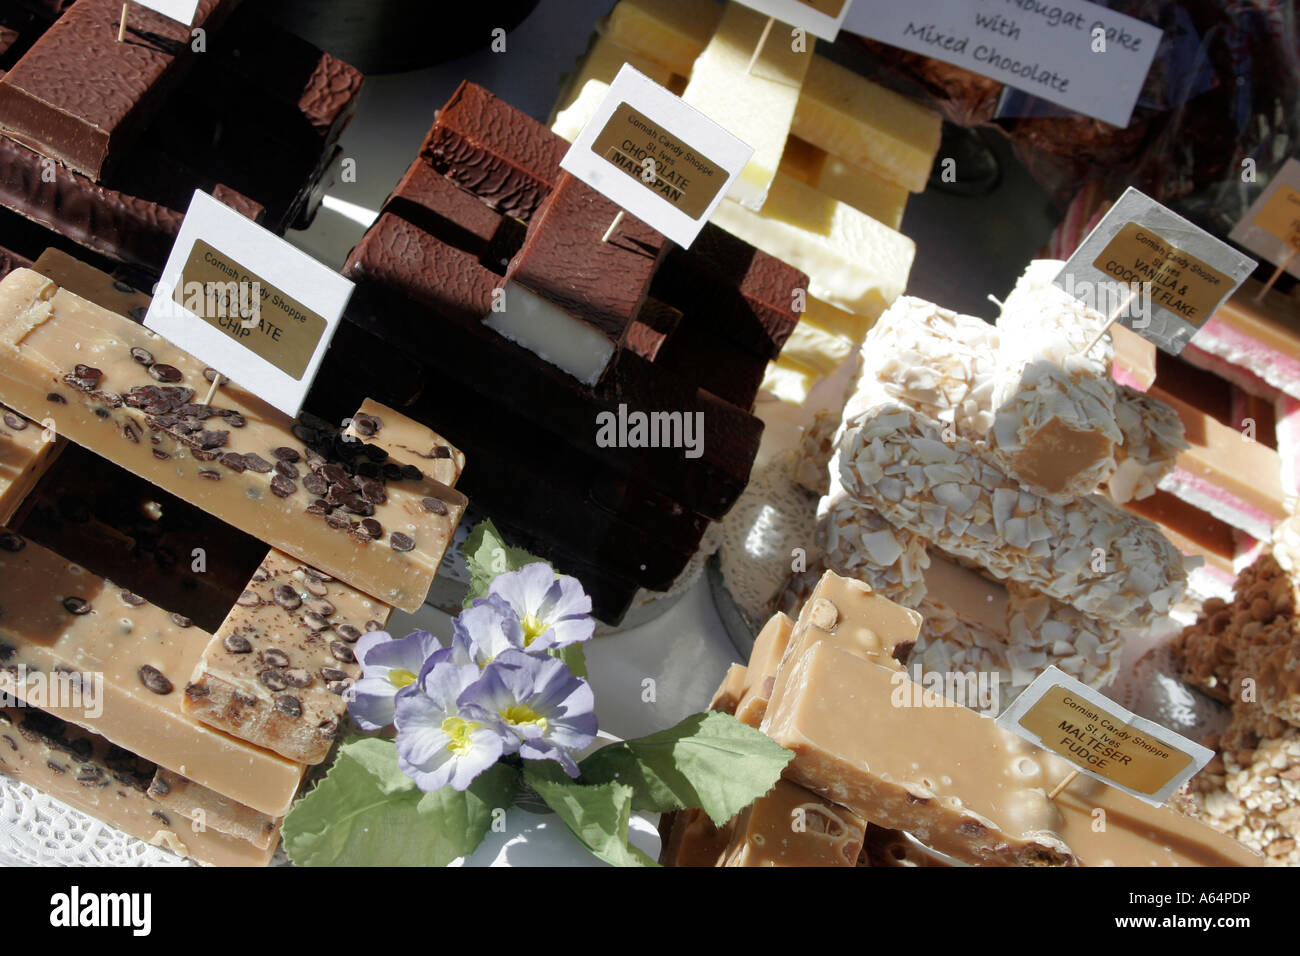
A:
(1271, 226)
(1164, 275)
(247, 303)
(1076, 54)
(821, 18)
(663, 161)
(1102, 739)
(182, 10)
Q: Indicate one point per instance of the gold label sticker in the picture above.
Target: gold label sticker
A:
(1281, 215)
(661, 162)
(1086, 734)
(1180, 283)
(257, 315)
(831, 8)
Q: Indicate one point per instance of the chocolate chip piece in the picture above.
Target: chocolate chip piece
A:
(234, 419)
(342, 652)
(248, 599)
(234, 462)
(286, 468)
(143, 356)
(374, 454)
(338, 519)
(304, 433)
(439, 451)
(284, 453)
(298, 677)
(276, 658)
(316, 485)
(318, 507)
(16, 422)
(131, 433)
(165, 373)
(76, 605)
(273, 679)
(347, 632)
(56, 398)
(130, 599)
(287, 598)
(358, 505)
(180, 620)
(315, 586)
(373, 491)
(283, 487)
(155, 680)
(401, 542)
(243, 699)
(160, 787)
(11, 542)
(160, 454)
(339, 687)
(373, 626)
(210, 475)
(434, 506)
(411, 473)
(211, 374)
(237, 644)
(289, 705)
(366, 425)
(213, 439)
(315, 621)
(323, 608)
(197, 691)
(372, 528)
(255, 462)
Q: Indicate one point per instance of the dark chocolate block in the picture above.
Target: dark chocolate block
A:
(81, 97)
(398, 261)
(486, 146)
(651, 328)
(428, 199)
(699, 353)
(9, 261)
(563, 260)
(747, 294)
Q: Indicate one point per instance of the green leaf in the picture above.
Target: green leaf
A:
(575, 657)
(487, 555)
(366, 812)
(711, 761)
(597, 815)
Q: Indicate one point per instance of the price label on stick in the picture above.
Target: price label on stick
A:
(1148, 267)
(1102, 739)
(821, 18)
(659, 159)
(248, 303)
(1271, 226)
(182, 10)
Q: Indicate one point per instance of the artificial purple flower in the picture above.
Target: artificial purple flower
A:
(554, 611)
(438, 742)
(389, 669)
(538, 702)
(486, 629)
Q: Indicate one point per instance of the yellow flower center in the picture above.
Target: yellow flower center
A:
(533, 628)
(518, 714)
(401, 678)
(459, 729)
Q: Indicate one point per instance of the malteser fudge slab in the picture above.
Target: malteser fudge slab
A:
(792, 827)
(125, 393)
(206, 808)
(570, 297)
(764, 661)
(96, 777)
(277, 670)
(26, 454)
(77, 95)
(494, 151)
(58, 617)
(729, 692)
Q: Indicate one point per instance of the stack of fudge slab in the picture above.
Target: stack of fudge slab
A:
(1236, 389)
(1245, 653)
(183, 587)
(836, 157)
(102, 144)
(972, 480)
(601, 390)
(886, 774)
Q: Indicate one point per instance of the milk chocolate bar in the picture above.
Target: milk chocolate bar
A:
(136, 406)
(570, 297)
(277, 670)
(81, 98)
(745, 293)
(111, 784)
(494, 151)
(63, 623)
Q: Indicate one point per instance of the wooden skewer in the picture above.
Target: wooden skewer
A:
(613, 225)
(762, 41)
(1062, 785)
(1111, 320)
(216, 383)
(1277, 274)
(121, 28)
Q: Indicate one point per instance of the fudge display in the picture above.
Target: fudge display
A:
(111, 160)
(623, 372)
